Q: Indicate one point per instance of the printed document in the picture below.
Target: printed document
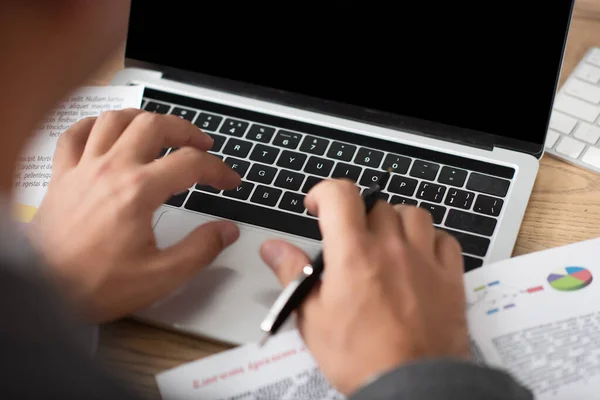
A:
(536, 316)
(34, 167)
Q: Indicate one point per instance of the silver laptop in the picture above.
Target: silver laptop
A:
(456, 99)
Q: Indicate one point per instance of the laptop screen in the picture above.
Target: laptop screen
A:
(485, 67)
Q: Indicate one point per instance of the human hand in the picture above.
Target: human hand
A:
(94, 227)
(392, 289)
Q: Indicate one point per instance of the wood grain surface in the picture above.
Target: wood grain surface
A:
(564, 208)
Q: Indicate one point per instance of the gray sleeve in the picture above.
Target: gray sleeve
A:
(442, 380)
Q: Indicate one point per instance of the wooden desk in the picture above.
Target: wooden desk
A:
(564, 208)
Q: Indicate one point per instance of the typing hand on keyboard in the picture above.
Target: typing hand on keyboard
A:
(374, 310)
(94, 227)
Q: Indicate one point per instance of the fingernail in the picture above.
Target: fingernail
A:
(208, 140)
(272, 254)
(229, 233)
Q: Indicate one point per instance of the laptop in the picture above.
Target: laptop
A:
(455, 98)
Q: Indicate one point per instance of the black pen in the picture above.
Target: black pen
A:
(296, 291)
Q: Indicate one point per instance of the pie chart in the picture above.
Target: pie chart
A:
(570, 278)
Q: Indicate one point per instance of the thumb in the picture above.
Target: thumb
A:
(284, 259)
(199, 248)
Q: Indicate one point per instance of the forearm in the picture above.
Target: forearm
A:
(441, 380)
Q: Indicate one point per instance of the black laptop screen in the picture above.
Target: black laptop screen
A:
(488, 67)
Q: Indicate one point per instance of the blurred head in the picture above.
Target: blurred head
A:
(48, 47)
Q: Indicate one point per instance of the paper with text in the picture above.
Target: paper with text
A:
(34, 167)
(538, 316)
(282, 369)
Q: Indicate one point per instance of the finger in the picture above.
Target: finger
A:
(448, 251)
(285, 260)
(148, 133)
(383, 220)
(340, 209)
(107, 130)
(70, 146)
(196, 251)
(184, 168)
(417, 227)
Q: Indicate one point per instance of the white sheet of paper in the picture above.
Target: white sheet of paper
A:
(34, 168)
(282, 369)
(538, 316)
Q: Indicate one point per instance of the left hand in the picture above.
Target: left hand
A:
(94, 227)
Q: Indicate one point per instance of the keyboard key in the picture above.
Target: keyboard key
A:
(341, 151)
(551, 138)
(264, 154)
(592, 157)
(347, 171)
(241, 192)
(289, 180)
(594, 57)
(238, 148)
(452, 176)
(588, 133)
(239, 166)
(582, 90)
(466, 221)
(266, 195)
(219, 142)
(488, 184)
(471, 263)
(371, 176)
(368, 157)
(488, 205)
(251, 214)
(157, 108)
(311, 181)
(260, 133)
(234, 127)
(287, 139)
(208, 122)
(471, 244)
(402, 185)
(570, 147)
(436, 211)
(178, 199)
(318, 166)
(403, 200)
(291, 160)
(460, 199)
(261, 173)
(424, 170)
(577, 108)
(206, 188)
(431, 192)
(292, 202)
(398, 164)
(562, 123)
(588, 73)
(314, 145)
(184, 113)
(382, 196)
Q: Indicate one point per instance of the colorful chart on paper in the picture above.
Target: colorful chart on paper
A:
(570, 278)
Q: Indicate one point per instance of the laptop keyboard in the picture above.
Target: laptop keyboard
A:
(280, 160)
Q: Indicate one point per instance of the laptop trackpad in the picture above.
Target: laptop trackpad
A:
(228, 299)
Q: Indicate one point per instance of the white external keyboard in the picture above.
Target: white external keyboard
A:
(574, 131)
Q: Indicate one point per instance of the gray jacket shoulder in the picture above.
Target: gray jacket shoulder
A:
(442, 380)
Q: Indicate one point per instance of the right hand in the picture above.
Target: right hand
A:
(392, 291)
